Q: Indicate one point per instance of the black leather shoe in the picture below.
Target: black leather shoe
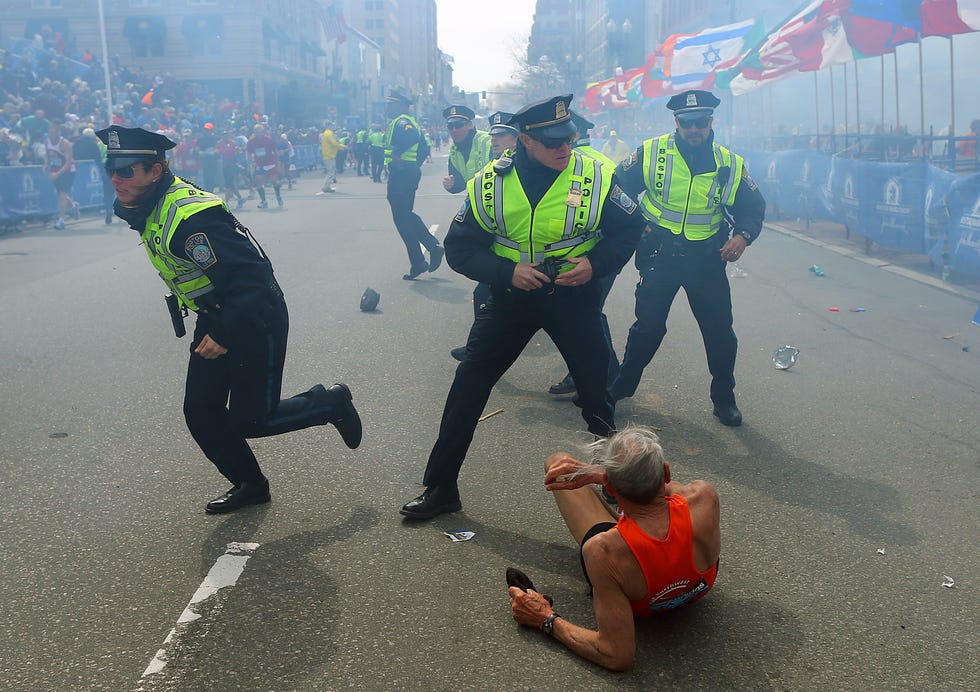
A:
(433, 502)
(729, 415)
(566, 386)
(416, 270)
(242, 495)
(345, 417)
(516, 577)
(435, 257)
(459, 353)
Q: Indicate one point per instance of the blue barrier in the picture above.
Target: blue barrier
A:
(892, 204)
(307, 156)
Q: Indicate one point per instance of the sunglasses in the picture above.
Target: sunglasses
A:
(554, 142)
(699, 123)
(458, 125)
(124, 173)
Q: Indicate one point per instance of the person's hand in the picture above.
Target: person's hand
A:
(580, 274)
(209, 349)
(527, 278)
(529, 607)
(448, 182)
(733, 249)
(570, 473)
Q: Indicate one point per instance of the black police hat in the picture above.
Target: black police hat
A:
(693, 103)
(458, 113)
(369, 300)
(128, 145)
(398, 97)
(582, 124)
(547, 118)
(500, 124)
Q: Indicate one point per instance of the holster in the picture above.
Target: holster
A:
(177, 314)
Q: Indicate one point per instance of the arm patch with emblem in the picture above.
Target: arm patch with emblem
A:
(199, 250)
(629, 163)
(461, 214)
(622, 200)
(747, 179)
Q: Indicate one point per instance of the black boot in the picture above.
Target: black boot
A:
(566, 386)
(345, 417)
(434, 501)
(728, 414)
(244, 494)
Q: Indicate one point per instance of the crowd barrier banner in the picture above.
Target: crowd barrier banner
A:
(307, 156)
(791, 180)
(959, 209)
(27, 192)
(87, 188)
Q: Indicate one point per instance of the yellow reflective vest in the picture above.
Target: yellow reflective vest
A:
(410, 154)
(682, 203)
(185, 279)
(480, 155)
(565, 223)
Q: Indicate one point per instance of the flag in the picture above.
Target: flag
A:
(948, 17)
(690, 60)
(618, 91)
(811, 39)
(446, 58)
(334, 26)
(876, 27)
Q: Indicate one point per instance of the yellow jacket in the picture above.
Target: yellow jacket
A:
(329, 146)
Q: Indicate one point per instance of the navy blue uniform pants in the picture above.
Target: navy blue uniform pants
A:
(403, 181)
(236, 396)
(703, 278)
(570, 316)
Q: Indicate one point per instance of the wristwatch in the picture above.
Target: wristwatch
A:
(548, 626)
(747, 236)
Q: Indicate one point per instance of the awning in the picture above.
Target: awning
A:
(203, 26)
(141, 28)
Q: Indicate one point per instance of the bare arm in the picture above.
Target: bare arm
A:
(613, 644)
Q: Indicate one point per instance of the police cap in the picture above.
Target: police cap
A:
(693, 103)
(546, 118)
(128, 145)
(456, 113)
(500, 124)
(398, 97)
(582, 124)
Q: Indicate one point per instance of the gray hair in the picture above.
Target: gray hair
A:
(633, 460)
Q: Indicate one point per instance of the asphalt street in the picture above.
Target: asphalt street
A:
(849, 497)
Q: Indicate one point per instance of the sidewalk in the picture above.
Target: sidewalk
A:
(831, 236)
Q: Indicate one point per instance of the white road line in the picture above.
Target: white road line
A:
(225, 572)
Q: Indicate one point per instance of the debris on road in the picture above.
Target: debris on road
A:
(816, 269)
(459, 535)
(948, 582)
(490, 415)
(736, 272)
(784, 357)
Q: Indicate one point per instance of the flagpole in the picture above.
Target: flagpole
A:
(857, 103)
(816, 99)
(882, 93)
(105, 67)
(847, 122)
(898, 119)
(922, 100)
(833, 111)
(952, 96)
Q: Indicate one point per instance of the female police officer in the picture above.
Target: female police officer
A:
(212, 266)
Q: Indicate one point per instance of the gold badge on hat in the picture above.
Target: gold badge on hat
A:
(452, 111)
(113, 140)
(692, 99)
(574, 198)
(560, 111)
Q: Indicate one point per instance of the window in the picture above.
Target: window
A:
(147, 36)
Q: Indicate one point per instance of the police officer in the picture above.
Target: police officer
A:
(583, 145)
(503, 138)
(691, 184)
(213, 266)
(402, 144)
(540, 228)
(376, 148)
(469, 151)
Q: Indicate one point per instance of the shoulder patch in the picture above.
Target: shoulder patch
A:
(747, 180)
(628, 163)
(461, 214)
(622, 200)
(199, 249)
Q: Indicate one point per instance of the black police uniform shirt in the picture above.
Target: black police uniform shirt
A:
(241, 276)
(469, 247)
(749, 208)
(464, 147)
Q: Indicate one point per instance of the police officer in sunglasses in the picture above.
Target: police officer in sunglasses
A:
(212, 266)
(541, 227)
(703, 209)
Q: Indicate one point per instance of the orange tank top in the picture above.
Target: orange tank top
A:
(668, 564)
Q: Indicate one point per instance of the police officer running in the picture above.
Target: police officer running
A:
(402, 144)
(213, 266)
(470, 150)
(693, 186)
(540, 228)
